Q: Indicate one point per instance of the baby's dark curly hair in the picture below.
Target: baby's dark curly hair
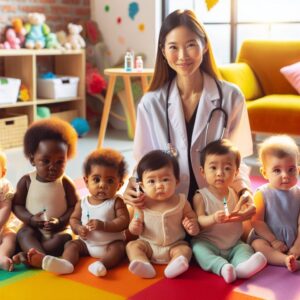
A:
(50, 129)
(106, 157)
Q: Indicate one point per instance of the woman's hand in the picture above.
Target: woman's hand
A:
(132, 196)
(191, 226)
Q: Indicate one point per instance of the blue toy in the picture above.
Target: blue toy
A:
(81, 126)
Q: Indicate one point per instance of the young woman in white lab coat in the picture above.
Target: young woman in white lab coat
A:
(185, 65)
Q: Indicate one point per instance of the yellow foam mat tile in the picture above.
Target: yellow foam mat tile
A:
(47, 286)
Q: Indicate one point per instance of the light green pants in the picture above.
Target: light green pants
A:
(210, 258)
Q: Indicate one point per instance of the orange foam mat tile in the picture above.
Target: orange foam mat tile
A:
(47, 286)
(118, 280)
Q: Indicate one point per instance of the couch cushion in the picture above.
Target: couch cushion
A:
(266, 58)
(242, 75)
(292, 74)
(275, 114)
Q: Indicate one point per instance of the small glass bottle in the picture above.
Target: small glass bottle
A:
(128, 62)
(139, 64)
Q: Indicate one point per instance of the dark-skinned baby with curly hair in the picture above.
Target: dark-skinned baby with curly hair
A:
(46, 197)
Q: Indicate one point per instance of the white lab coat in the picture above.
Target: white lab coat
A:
(151, 128)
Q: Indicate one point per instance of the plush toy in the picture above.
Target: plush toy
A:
(95, 82)
(74, 40)
(37, 31)
(20, 30)
(52, 41)
(11, 40)
(24, 94)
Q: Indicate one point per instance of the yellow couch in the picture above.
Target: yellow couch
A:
(273, 104)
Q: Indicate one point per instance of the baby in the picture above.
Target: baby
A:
(219, 248)
(161, 224)
(99, 219)
(45, 198)
(7, 237)
(277, 220)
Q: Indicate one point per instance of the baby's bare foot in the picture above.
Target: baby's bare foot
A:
(6, 263)
(291, 263)
(35, 258)
(20, 258)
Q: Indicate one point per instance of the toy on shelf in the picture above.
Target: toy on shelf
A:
(24, 94)
(20, 30)
(37, 30)
(52, 41)
(11, 40)
(81, 126)
(72, 40)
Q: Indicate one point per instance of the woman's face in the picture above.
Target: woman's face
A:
(183, 51)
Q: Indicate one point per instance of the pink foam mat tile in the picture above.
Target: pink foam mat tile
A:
(273, 283)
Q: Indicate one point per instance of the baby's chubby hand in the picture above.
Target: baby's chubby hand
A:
(279, 246)
(82, 231)
(38, 220)
(136, 226)
(95, 225)
(191, 226)
(220, 217)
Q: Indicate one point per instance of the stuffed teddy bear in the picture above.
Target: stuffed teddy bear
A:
(52, 41)
(11, 40)
(74, 40)
(37, 31)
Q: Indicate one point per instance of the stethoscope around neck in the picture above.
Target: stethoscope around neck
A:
(170, 148)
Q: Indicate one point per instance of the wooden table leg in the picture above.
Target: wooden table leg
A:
(130, 107)
(106, 110)
(144, 81)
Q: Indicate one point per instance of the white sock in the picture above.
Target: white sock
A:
(179, 265)
(228, 273)
(142, 269)
(97, 268)
(57, 265)
(251, 266)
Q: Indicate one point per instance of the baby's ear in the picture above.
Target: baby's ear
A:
(263, 172)
(202, 171)
(85, 179)
(31, 159)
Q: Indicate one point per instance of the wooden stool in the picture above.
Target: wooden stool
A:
(128, 103)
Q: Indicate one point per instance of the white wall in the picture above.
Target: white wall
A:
(119, 37)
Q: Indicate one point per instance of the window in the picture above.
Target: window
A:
(230, 22)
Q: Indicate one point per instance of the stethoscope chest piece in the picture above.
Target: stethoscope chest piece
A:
(171, 150)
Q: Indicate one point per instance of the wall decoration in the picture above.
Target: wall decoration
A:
(121, 40)
(119, 20)
(141, 27)
(106, 8)
(133, 9)
(211, 3)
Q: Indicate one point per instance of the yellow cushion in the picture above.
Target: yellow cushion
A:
(242, 75)
(275, 114)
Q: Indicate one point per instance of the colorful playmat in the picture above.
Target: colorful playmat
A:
(273, 283)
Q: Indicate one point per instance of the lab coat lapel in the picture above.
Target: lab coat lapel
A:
(208, 101)
(176, 116)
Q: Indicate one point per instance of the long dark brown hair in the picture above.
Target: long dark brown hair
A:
(163, 72)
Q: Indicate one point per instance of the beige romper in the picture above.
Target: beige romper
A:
(164, 230)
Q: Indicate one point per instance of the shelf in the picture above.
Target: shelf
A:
(54, 101)
(23, 64)
(17, 104)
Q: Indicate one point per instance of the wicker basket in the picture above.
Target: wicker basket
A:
(12, 130)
